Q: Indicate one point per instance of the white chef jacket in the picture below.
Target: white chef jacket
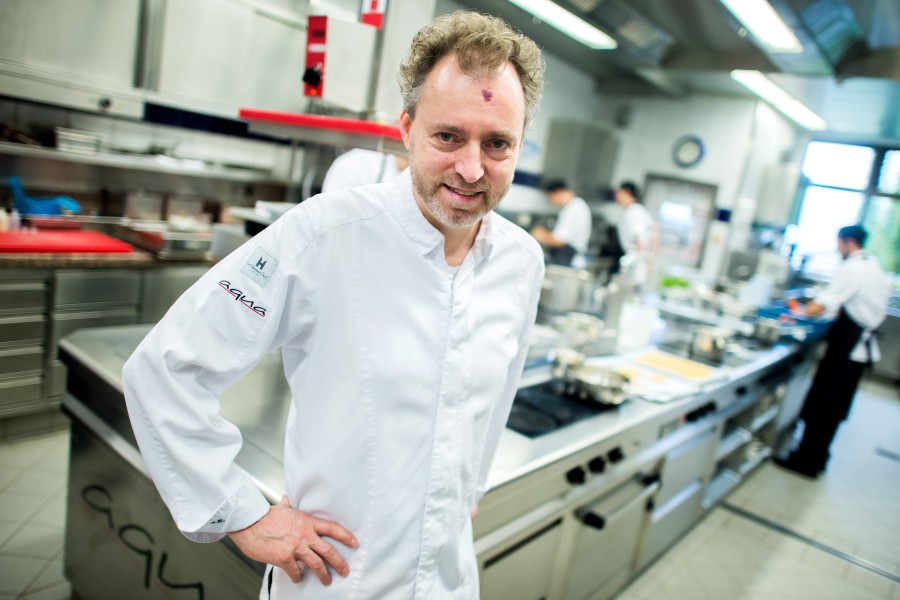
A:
(573, 224)
(402, 371)
(862, 289)
(359, 167)
(635, 224)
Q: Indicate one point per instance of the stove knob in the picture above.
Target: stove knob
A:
(576, 476)
(597, 464)
(615, 455)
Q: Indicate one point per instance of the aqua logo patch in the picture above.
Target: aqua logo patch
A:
(260, 267)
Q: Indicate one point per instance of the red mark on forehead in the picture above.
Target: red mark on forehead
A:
(487, 94)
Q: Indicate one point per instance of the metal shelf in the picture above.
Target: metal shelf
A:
(731, 441)
(720, 486)
(764, 419)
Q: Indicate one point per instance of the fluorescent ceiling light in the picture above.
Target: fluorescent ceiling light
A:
(573, 26)
(792, 108)
(763, 22)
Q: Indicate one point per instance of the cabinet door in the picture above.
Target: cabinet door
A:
(608, 540)
(230, 55)
(522, 571)
(90, 40)
(686, 464)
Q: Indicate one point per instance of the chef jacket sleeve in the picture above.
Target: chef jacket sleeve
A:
(501, 412)
(840, 290)
(210, 338)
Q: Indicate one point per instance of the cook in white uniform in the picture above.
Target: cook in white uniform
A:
(636, 234)
(359, 167)
(567, 243)
(403, 311)
(858, 295)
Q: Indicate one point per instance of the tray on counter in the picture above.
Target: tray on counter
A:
(60, 241)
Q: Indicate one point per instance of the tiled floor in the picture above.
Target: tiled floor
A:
(854, 510)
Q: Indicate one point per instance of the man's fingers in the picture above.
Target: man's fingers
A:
(331, 556)
(334, 531)
(292, 569)
(316, 565)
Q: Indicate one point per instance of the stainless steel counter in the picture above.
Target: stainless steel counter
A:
(259, 405)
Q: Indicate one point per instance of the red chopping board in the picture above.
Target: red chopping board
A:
(60, 241)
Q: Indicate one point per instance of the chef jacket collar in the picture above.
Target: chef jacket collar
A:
(423, 234)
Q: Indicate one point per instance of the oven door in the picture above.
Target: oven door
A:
(607, 542)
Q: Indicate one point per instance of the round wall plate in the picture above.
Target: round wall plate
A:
(687, 151)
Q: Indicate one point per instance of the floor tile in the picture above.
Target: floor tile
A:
(53, 513)
(16, 572)
(36, 541)
(20, 509)
(53, 576)
(36, 483)
(62, 591)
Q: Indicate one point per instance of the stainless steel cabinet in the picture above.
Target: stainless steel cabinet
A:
(120, 536)
(89, 298)
(23, 332)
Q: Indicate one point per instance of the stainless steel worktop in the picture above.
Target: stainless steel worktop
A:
(259, 404)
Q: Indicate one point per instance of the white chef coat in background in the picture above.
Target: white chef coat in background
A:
(359, 167)
(402, 371)
(862, 289)
(635, 225)
(573, 224)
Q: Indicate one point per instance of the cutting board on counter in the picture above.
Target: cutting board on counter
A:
(60, 241)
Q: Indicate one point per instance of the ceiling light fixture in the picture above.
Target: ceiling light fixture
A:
(573, 26)
(765, 24)
(783, 102)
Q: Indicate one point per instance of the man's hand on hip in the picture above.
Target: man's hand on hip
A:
(289, 539)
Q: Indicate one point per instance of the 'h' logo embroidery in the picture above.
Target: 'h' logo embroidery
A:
(260, 267)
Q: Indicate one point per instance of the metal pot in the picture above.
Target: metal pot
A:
(708, 344)
(565, 289)
(592, 382)
(601, 384)
(767, 331)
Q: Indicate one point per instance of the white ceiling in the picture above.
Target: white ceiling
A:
(695, 43)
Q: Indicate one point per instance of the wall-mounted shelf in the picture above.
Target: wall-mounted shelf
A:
(325, 130)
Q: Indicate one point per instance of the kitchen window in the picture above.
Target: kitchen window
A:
(845, 184)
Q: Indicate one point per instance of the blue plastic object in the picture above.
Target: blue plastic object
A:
(815, 327)
(48, 205)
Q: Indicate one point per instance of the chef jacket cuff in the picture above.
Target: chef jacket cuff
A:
(241, 510)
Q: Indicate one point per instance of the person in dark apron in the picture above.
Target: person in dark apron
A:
(831, 394)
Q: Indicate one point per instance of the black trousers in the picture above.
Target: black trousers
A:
(831, 395)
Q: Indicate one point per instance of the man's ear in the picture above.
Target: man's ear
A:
(405, 125)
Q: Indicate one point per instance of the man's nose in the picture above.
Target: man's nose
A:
(469, 163)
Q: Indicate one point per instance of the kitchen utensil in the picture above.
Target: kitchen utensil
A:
(767, 331)
(708, 344)
(565, 289)
(601, 384)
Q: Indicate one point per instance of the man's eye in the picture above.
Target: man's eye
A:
(498, 144)
(445, 137)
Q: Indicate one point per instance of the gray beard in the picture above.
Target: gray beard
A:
(449, 217)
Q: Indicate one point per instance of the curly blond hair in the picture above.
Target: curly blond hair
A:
(482, 44)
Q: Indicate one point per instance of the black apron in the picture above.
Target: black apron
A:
(834, 385)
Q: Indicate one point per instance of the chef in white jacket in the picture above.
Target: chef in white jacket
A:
(403, 311)
(637, 234)
(360, 166)
(857, 297)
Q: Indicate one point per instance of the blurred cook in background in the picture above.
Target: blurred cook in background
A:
(859, 295)
(637, 234)
(359, 167)
(567, 243)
